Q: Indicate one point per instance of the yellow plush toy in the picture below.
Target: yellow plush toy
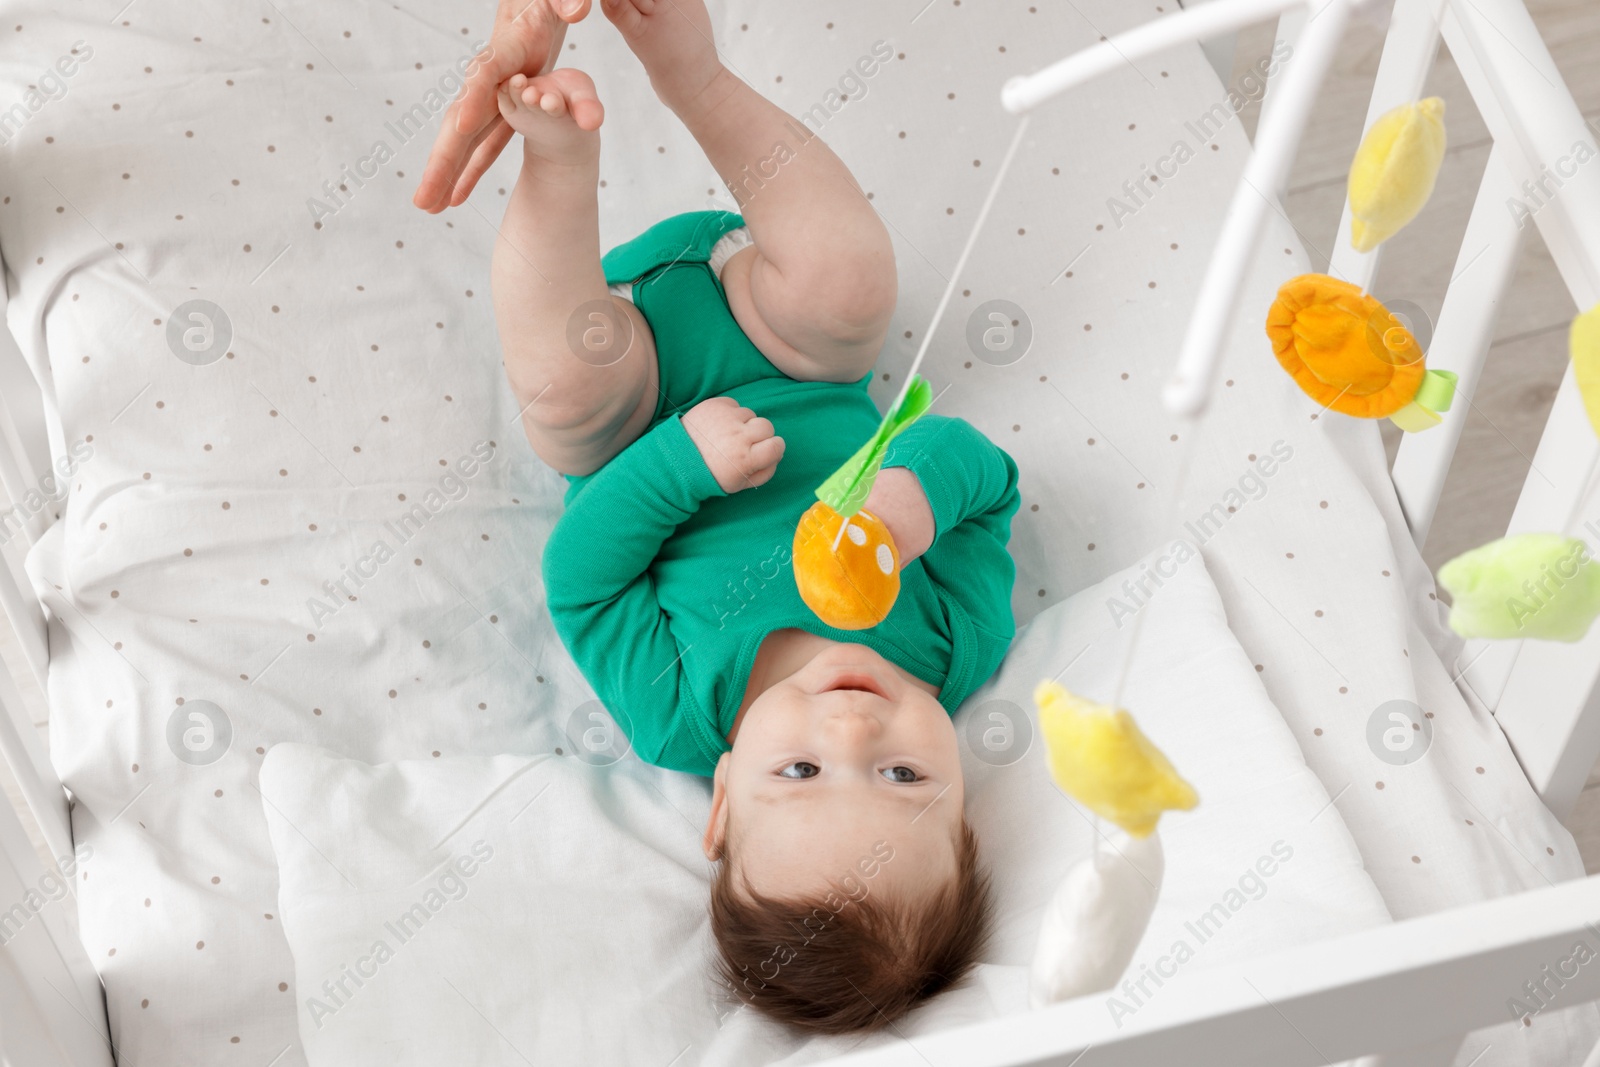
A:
(1347, 352)
(1585, 345)
(1100, 758)
(1393, 171)
(1100, 911)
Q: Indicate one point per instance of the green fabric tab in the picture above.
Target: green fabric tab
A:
(846, 488)
(1437, 391)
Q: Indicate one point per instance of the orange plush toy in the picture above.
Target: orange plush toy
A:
(846, 565)
(1347, 352)
(851, 587)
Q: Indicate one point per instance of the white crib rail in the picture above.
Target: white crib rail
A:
(1546, 696)
(1543, 694)
(1402, 993)
(19, 739)
(52, 1010)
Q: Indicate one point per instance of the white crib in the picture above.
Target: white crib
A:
(1402, 994)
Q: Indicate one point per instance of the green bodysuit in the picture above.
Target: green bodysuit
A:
(662, 586)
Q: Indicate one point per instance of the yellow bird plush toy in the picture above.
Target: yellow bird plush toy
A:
(1393, 171)
(1099, 913)
(1585, 345)
(1101, 758)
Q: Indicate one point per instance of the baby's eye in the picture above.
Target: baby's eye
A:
(800, 769)
(901, 775)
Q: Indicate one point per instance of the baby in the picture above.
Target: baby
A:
(695, 385)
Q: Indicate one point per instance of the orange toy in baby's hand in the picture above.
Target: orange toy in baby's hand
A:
(851, 587)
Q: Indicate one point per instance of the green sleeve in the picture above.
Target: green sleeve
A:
(597, 579)
(971, 485)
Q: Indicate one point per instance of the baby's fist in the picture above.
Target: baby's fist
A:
(739, 446)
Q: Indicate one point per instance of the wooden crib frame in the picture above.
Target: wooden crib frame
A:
(1404, 995)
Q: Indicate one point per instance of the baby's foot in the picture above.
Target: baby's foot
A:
(672, 38)
(558, 115)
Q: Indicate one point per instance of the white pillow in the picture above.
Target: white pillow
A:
(543, 908)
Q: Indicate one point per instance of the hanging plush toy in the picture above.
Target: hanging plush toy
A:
(1347, 352)
(1539, 585)
(1393, 171)
(1584, 342)
(1098, 915)
(845, 563)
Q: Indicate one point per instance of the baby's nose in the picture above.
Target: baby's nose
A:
(854, 724)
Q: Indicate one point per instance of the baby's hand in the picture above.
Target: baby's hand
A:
(738, 445)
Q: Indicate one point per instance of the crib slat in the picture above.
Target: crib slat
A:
(20, 424)
(1549, 705)
(52, 1009)
(16, 525)
(1482, 275)
(18, 528)
(1534, 117)
(1408, 53)
(30, 765)
(1543, 694)
(21, 609)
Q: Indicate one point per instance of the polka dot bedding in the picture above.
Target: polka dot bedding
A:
(307, 513)
(355, 844)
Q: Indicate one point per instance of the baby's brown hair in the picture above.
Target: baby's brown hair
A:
(855, 967)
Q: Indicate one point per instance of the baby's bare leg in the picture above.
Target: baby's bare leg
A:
(816, 292)
(581, 363)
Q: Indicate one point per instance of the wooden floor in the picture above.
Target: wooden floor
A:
(1530, 350)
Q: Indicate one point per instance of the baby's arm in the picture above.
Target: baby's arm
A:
(581, 363)
(968, 486)
(816, 292)
(597, 561)
(597, 567)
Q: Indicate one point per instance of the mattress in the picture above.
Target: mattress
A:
(248, 463)
(514, 858)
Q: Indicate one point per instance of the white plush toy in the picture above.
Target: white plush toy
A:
(1097, 917)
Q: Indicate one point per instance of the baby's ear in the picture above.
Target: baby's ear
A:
(717, 823)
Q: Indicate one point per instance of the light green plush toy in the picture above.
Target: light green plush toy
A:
(1529, 585)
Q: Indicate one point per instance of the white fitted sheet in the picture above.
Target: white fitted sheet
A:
(178, 164)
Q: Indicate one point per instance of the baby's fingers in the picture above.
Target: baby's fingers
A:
(758, 429)
(764, 457)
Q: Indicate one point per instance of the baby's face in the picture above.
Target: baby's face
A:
(834, 768)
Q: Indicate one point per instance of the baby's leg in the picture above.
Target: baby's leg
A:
(816, 292)
(582, 363)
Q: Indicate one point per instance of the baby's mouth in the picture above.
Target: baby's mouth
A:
(857, 681)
